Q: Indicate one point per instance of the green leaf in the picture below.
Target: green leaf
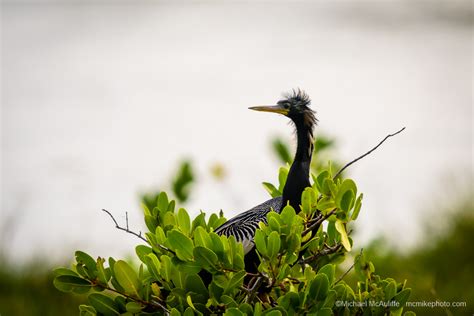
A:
(183, 180)
(114, 282)
(166, 267)
(329, 183)
(215, 291)
(390, 290)
(318, 288)
(195, 284)
(402, 297)
(217, 245)
(347, 201)
(64, 271)
(320, 181)
(344, 239)
(103, 304)
(289, 300)
(88, 263)
(215, 221)
(181, 244)
(246, 308)
(151, 222)
(142, 251)
(273, 244)
(202, 238)
(329, 270)
(330, 299)
(293, 245)
(162, 202)
(206, 258)
(331, 231)
(169, 220)
(134, 307)
(358, 205)
(288, 214)
(229, 301)
(71, 283)
(154, 265)
(174, 312)
(324, 312)
(184, 223)
(346, 195)
(103, 275)
(236, 253)
(160, 236)
(308, 200)
(273, 312)
(189, 300)
(235, 282)
(274, 192)
(259, 240)
(199, 221)
(127, 278)
(86, 310)
(282, 176)
(189, 311)
(186, 267)
(273, 222)
(233, 311)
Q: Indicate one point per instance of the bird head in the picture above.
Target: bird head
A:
(294, 105)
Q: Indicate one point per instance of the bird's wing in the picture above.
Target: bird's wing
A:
(244, 225)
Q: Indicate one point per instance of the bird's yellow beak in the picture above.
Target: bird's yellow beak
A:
(270, 108)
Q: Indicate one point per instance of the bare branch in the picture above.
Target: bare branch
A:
(367, 153)
(139, 234)
(254, 285)
(326, 251)
(318, 222)
(350, 268)
(153, 303)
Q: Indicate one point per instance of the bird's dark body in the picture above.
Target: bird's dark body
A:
(243, 226)
(296, 182)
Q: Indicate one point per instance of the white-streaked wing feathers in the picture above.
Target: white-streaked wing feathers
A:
(244, 225)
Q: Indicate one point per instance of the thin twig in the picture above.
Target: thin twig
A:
(327, 251)
(367, 153)
(139, 234)
(253, 289)
(151, 302)
(318, 222)
(350, 268)
(125, 229)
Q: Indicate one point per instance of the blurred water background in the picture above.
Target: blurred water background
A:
(101, 100)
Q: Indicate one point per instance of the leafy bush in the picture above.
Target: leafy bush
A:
(186, 269)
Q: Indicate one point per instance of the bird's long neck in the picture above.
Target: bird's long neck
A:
(298, 176)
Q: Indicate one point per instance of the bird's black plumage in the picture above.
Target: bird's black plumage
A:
(304, 120)
(294, 105)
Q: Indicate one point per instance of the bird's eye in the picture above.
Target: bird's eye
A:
(286, 105)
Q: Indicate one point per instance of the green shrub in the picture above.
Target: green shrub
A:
(299, 254)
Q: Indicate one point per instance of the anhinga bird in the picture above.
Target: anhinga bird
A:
(296, 107)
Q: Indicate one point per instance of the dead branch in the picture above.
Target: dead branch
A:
(367, 153)
(326, 251)
(318, 222)
(139, 234)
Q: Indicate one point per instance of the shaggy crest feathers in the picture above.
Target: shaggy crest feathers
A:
(298, 96)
